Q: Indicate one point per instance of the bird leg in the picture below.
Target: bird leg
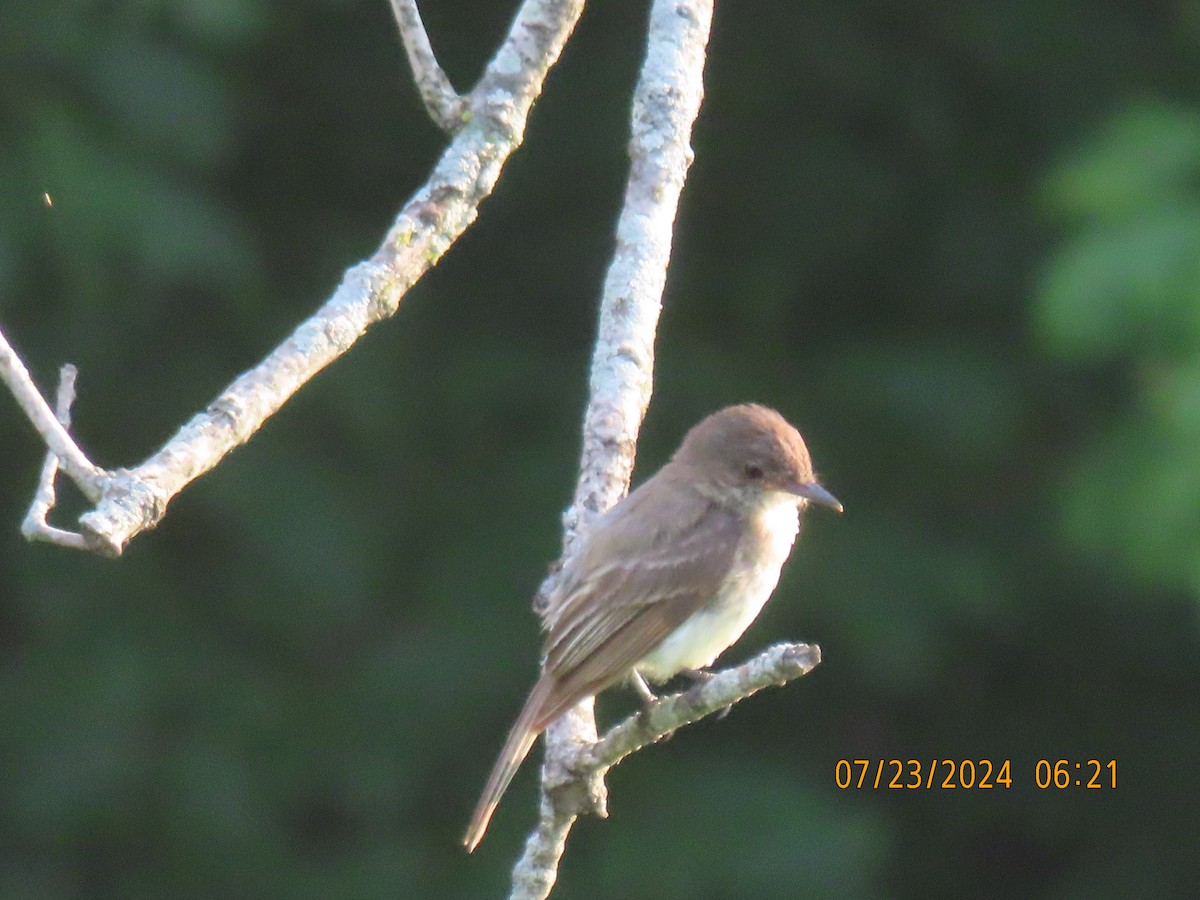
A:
(648, 699)
(643, 689)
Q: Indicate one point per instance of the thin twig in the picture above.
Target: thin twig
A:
(442, 102)
(35, 527)
(74, 461)
(665, 104)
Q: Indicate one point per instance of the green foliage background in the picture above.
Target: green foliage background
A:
(957, 242)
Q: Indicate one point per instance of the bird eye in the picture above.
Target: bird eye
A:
(754, 473)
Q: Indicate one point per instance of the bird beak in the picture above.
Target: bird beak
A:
(814, 493)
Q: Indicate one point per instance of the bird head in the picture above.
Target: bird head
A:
(747, 450)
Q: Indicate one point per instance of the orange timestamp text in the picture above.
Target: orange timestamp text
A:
(923, 774)
(970, 774)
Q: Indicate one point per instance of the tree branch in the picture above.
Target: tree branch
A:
(442, 102)
(581, 771)
(74, 461)
(131, 501)
(35, 527)
(665, 105)
(774, 667)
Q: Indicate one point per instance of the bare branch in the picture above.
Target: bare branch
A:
(534, 875)
(74, 462)
(130, 501)
(665, 105)
(565, 793)
(35, 527)
(774, 667)
(442, 102)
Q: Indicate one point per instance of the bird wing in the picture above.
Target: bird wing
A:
(620, 604)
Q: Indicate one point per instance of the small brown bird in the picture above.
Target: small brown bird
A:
(671, 576)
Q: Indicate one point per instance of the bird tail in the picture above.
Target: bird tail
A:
(520, 739)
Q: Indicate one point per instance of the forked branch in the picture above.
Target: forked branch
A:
(129, 501)
(443, 104)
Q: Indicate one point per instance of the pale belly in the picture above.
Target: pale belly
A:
(709, 632)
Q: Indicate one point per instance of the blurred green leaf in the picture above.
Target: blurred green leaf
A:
(1131, 287)
(1134, 501)
(1125, 286)
(1147, 155)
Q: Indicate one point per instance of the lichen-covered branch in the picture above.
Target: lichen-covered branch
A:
(774, 667)
(665, 105)
(129, 501)
(442, 102)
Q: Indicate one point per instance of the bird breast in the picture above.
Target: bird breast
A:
(752, 577)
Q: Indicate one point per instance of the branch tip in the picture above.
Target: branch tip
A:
(35, 527)
(58, 440)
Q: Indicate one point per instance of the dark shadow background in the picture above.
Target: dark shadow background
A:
(958, 243)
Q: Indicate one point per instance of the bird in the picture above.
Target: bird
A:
(670, 576)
